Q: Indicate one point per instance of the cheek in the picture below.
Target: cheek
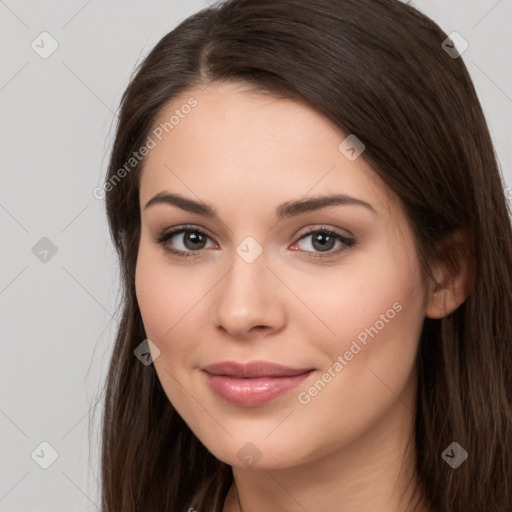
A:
(168, 300)
(368, 365)
(381, 308)
(173, 305)
(376, 312)
(152, 288)
(372, 295)
(164, 293)
(373, 306)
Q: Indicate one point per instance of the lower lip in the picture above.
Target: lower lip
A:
(251, 392)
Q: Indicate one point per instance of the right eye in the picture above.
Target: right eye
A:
(191, 239)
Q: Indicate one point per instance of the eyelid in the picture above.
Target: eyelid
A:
(326, 227)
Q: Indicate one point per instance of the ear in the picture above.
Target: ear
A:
(454, 273)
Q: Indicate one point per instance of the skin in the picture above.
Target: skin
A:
(245, 153)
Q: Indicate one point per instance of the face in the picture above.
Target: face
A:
(333, 293)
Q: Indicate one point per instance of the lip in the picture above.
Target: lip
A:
(252, 369)
(252, 384)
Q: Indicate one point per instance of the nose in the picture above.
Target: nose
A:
(249, 300)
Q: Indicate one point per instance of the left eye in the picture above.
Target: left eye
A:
(322, 241)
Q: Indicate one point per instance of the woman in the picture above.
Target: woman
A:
(316, 256)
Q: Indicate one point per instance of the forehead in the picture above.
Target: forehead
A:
(240, 146)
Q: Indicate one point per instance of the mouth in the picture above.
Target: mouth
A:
(253, 370)
(252, 384)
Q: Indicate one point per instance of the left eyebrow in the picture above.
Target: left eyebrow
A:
(287, 209)
(300, 206)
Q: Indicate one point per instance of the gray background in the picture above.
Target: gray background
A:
(58, 316)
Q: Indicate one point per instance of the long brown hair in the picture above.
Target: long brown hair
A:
(378, 70)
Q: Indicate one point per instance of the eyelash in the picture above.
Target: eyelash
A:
(163, 237)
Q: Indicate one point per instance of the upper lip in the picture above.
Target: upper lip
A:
(252, 369)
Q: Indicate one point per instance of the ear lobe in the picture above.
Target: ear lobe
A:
(454, 273)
